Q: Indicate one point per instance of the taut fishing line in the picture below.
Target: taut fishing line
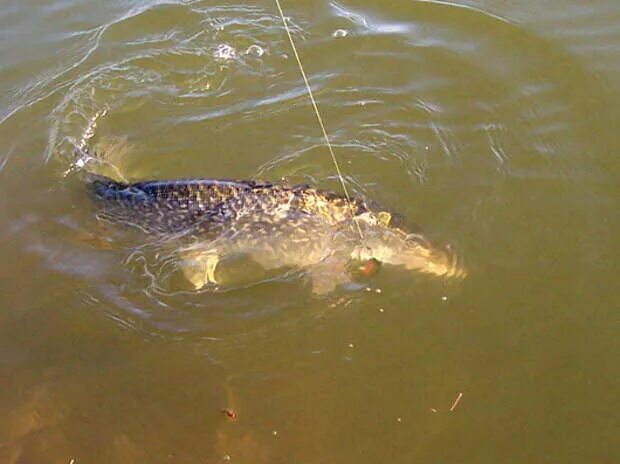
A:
(318, 117)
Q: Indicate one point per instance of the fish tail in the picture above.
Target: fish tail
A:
(102, 187)
(106, 158)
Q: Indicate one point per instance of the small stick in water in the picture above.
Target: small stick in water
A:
(456, 402)
(232, 415)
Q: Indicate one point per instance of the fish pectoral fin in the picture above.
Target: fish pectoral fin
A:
(327, 275)
(323, 285)
(199, 268)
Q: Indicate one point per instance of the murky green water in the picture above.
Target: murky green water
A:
(493, 125)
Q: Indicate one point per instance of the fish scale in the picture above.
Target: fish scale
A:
(173, 206)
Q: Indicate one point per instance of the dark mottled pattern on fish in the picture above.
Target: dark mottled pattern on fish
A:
(277, 225)
(175, 206)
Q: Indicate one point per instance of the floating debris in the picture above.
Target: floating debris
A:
(338, 33)
(342, 301)
(456, 402)
(232, 415)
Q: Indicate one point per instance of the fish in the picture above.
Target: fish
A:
(275, 225)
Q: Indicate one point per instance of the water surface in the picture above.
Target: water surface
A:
(492, 125)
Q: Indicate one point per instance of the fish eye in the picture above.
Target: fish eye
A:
(398, 221)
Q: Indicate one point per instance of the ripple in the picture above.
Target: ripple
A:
(255, 50)
(476, 99)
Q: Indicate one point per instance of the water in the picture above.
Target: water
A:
(493, 125)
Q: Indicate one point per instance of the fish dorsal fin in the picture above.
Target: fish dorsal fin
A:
(384, 218)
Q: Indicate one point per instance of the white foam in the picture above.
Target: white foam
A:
(225, 52)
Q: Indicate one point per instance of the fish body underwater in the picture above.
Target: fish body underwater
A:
(274, 225)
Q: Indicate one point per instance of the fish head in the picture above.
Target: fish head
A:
(411, 251)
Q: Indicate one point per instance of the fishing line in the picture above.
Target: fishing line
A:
(318, 117)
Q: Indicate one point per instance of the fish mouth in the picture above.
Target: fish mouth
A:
(448, 264)
(438, 261)
(441, 261)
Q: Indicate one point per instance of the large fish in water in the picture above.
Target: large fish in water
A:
(274, 225)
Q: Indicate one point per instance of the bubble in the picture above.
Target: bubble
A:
(255, 50)
(338, 33)
(225, 52)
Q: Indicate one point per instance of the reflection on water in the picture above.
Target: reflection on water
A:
(491, 125)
